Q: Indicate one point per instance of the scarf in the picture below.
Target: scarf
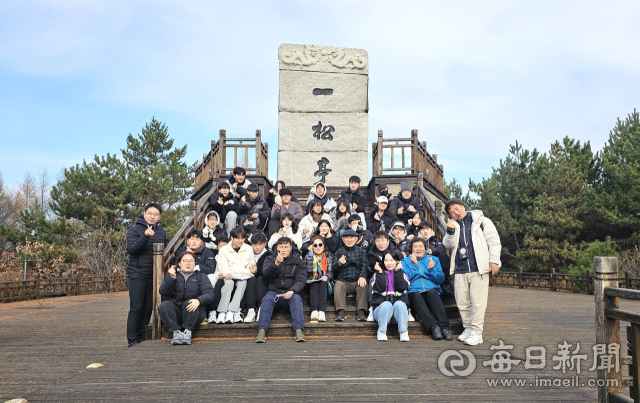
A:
(319, 265)
(390, 282)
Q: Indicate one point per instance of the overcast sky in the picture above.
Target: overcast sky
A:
(473, 77)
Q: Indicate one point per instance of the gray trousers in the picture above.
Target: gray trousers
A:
(228, 304)
(231, 221)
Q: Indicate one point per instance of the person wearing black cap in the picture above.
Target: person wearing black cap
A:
(140, 240)
(255, 207)
(237, 180)
(383, 190)
(406, 204)
(205, 257)
(350, 265)
(356, 198)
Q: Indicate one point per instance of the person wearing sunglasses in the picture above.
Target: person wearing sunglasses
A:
(187, 292)
(319, 261)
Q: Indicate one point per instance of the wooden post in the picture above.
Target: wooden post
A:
(553, 279)
(222, 143)
(193, 212)
(589, 282)
(258, 153)
(378, 163)
(607, 330)
(116, 284)
(36, 291)
(266, 160)
(415, 157)
(439, 208)
(158, 264)
(79, 284)
(634, 369)
(520, 277)
(626, 280)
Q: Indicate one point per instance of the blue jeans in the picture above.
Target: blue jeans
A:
(385, 312)
(293, 305)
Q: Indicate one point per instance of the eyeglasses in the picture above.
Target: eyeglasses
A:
(317, 245)
(188, 261)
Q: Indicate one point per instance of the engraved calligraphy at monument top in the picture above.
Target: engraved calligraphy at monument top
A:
(323, 97)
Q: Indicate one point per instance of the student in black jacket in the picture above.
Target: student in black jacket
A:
(140, 240)
(255, 207)
(213, 231)
(287, 275)
(223, 203)
(206, 260)
(389, 299)
(356, 198)
(258, 284)
(380, 218)
(405, 205)
(187, 292)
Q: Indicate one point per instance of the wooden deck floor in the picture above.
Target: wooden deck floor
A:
(45, 347)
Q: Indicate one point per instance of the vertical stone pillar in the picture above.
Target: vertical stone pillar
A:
(323, 119)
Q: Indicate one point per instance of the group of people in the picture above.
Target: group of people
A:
(261, 254)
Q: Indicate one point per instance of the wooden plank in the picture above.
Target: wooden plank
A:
(634, 369)
(619, 398)
(622, 293)
(619, 314)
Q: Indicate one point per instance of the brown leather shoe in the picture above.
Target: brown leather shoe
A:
(299, 335)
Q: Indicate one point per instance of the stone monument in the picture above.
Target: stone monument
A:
(323, 120)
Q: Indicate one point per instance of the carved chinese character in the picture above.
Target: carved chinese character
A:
(322, 171)
(323, 133)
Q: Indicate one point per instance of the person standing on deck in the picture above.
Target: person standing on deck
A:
(140, 240)
(475, 252)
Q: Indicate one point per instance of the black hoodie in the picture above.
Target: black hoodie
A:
(140, 248)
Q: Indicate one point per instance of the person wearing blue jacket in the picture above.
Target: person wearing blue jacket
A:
(425, 277)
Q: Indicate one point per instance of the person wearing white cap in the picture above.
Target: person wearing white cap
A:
(398, 234)
(380, 218)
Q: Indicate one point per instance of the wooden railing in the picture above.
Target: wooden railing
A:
(216, 164)
(582, 283)
(419, 160)
(608, 316)
(432, 208)
(11, 291)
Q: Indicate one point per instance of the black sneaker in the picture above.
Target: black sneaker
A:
(362, 315)
(436, 334)
(342, 314)
(446, 334)
(133, 343)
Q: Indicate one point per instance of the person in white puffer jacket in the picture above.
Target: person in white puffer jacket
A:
(287, 228)
(475, 254)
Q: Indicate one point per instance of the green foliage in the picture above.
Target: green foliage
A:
(453, 190)
(588, 251)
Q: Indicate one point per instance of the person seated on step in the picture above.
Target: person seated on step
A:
(310, 222)
(398, 236)
(213, 231)
(234, 268)
(274, 194)
(256, 285)
(342, 213)
(287, 275)
(187, 292)
(217, 285)
(350, 266)
(319, 264)
(223, 203)
(412, 226)
(382, 245)
(237, 181)
(389, 300)
(405, 205)
(282, 207)
(254, 206)
(380, 218)
(205, 259)
(319, 192)
(364, 237)
(248, 224)
(425, 274)
(383, 190)
(436, 248)
(331, 240)
(288, 228)
(356, 198)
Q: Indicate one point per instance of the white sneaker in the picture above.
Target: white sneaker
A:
(212, 317)
(237, 317)
(464, 335)
(410, 318)
(221, 318)
(382, 336)
(228, 317)
(404, 336)
(473, 339)
(370, 317)
(321, 317)
(314, 316)
(251, 315)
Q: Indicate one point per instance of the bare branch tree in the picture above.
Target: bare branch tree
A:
(43, 188)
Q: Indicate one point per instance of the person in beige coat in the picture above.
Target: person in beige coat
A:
(234, 267)
(475, 254)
